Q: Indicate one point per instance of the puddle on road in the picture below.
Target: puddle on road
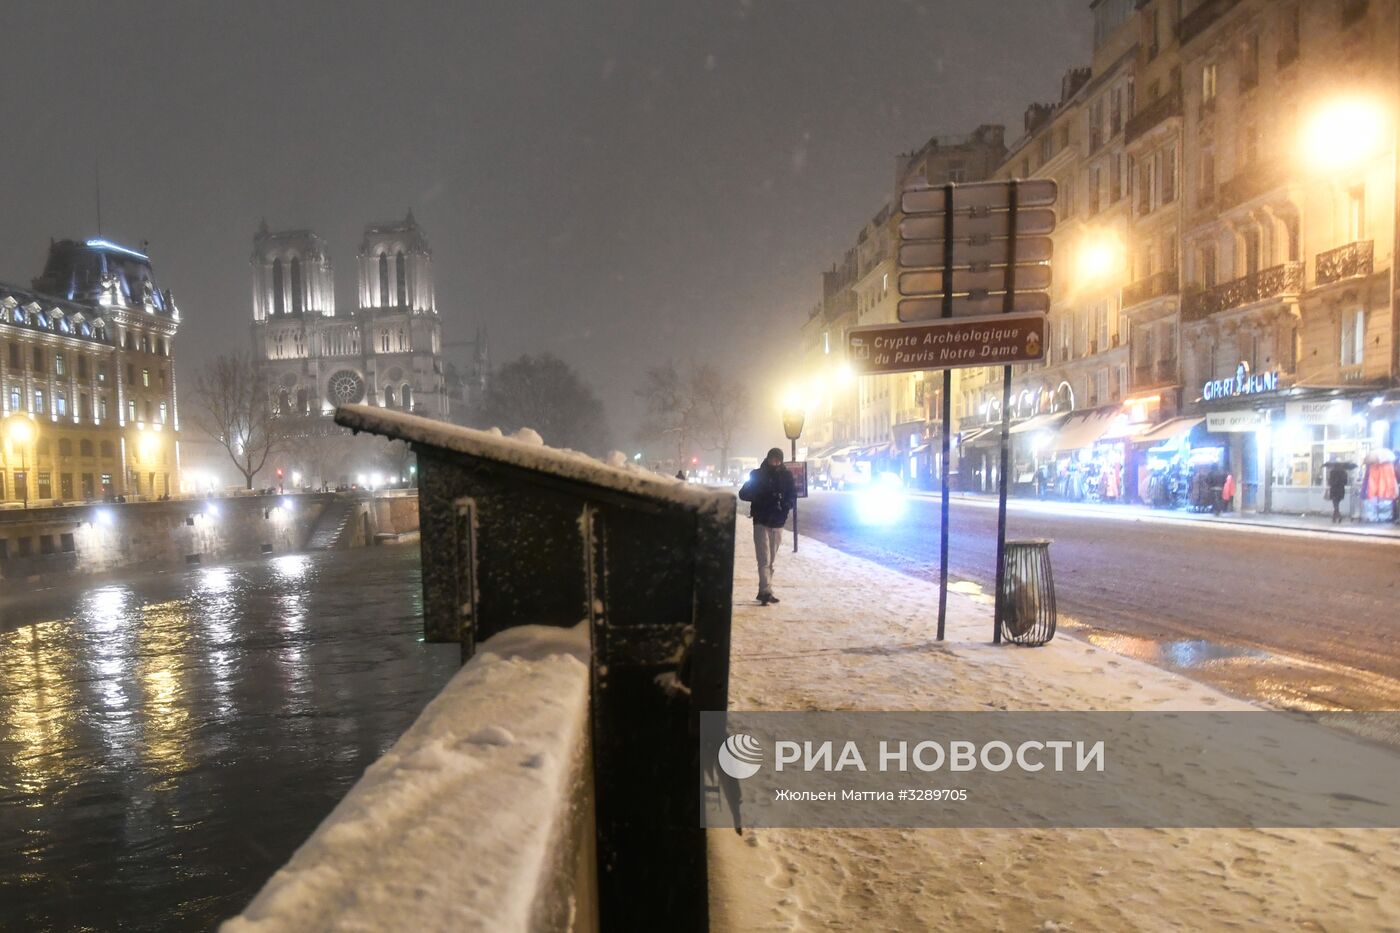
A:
(1241, 670)
(1182, 655)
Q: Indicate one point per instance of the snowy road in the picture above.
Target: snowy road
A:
(1299, 619)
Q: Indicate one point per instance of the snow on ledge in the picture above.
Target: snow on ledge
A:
(522, 453)
(459, 825)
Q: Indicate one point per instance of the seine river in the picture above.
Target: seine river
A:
(168, 740)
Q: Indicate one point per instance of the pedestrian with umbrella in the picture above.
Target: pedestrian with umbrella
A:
(1337, 479)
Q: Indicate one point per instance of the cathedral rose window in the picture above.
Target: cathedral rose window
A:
(346, 387)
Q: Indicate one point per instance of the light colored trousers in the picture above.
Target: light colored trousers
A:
(766, 542)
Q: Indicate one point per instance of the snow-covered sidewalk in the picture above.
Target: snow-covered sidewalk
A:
(852, 635)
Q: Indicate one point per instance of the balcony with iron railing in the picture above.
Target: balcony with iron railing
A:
(1202, 18)
(1344, 262)
(1157, 285)
(1163, 108)
(1275, 282)
(1249, 183)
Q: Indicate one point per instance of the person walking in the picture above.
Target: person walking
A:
(771, 494)
(1336, 489)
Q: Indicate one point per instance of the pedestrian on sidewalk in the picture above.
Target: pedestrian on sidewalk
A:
(1337, 479)
(1215, 482)
(771, 494)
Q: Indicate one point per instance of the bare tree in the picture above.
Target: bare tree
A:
(671, 414)
(233, 405)
(544, 393)
(702, 408)
(720, 404)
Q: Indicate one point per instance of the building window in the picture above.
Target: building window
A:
(85, 448)
(279, 296)
(1251, 250)
(1249, 62)
(131, 409)
(38, 360)
(297, 306)
(101, 373)
(1208, 88)
(1115, 113)
(162, 412)
(1290, 38)
(130, 374)
(1356, 213)
(60, 404)
(106, 449)
(39, 408)
(384, 341)
(1096, 125)
(383, 280)
(66, 543)
(1353, 337)
(401, 280)
(60, 368)
(1208, 265)
(65, 491)
(102, 408)
(14, 356)
(45, 485)
(1205, 194)
(15, 403)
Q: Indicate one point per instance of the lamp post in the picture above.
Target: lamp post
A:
(793, 420)
(21, 433)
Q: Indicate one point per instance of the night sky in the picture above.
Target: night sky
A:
(615, 182)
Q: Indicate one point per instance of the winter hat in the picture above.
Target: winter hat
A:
(774, 452)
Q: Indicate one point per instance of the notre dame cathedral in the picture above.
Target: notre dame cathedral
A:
(388, 350)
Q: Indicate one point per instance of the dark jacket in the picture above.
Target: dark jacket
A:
(1337, 480)
(771, 494)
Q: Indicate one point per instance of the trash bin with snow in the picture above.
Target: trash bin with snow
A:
(1027, 593)
(517, 533)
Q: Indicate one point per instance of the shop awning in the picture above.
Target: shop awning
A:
(1166, 431)
(980, 437)
(843, 451)
(1040, 422)
(822, 453)
(1083, 430)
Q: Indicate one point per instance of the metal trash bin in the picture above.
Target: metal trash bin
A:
(1028, 593)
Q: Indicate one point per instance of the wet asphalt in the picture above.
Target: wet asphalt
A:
(1308, 621)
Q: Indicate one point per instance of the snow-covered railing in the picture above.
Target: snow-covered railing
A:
(512, 533)
(479, 818)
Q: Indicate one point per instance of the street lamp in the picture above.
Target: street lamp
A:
(793, 420)
(20, 430)
(1100, 257)
(1344, 134)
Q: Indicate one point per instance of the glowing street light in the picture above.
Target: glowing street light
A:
(20, 430)
(1099, 260)
(1344, 134)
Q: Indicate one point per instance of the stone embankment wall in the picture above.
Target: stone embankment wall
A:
(102, 537)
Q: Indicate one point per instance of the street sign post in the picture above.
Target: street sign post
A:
(798, 469)
(793, 421)
(948, 343)
(966, 252)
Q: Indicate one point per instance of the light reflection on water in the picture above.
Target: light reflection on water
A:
(171, 739)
